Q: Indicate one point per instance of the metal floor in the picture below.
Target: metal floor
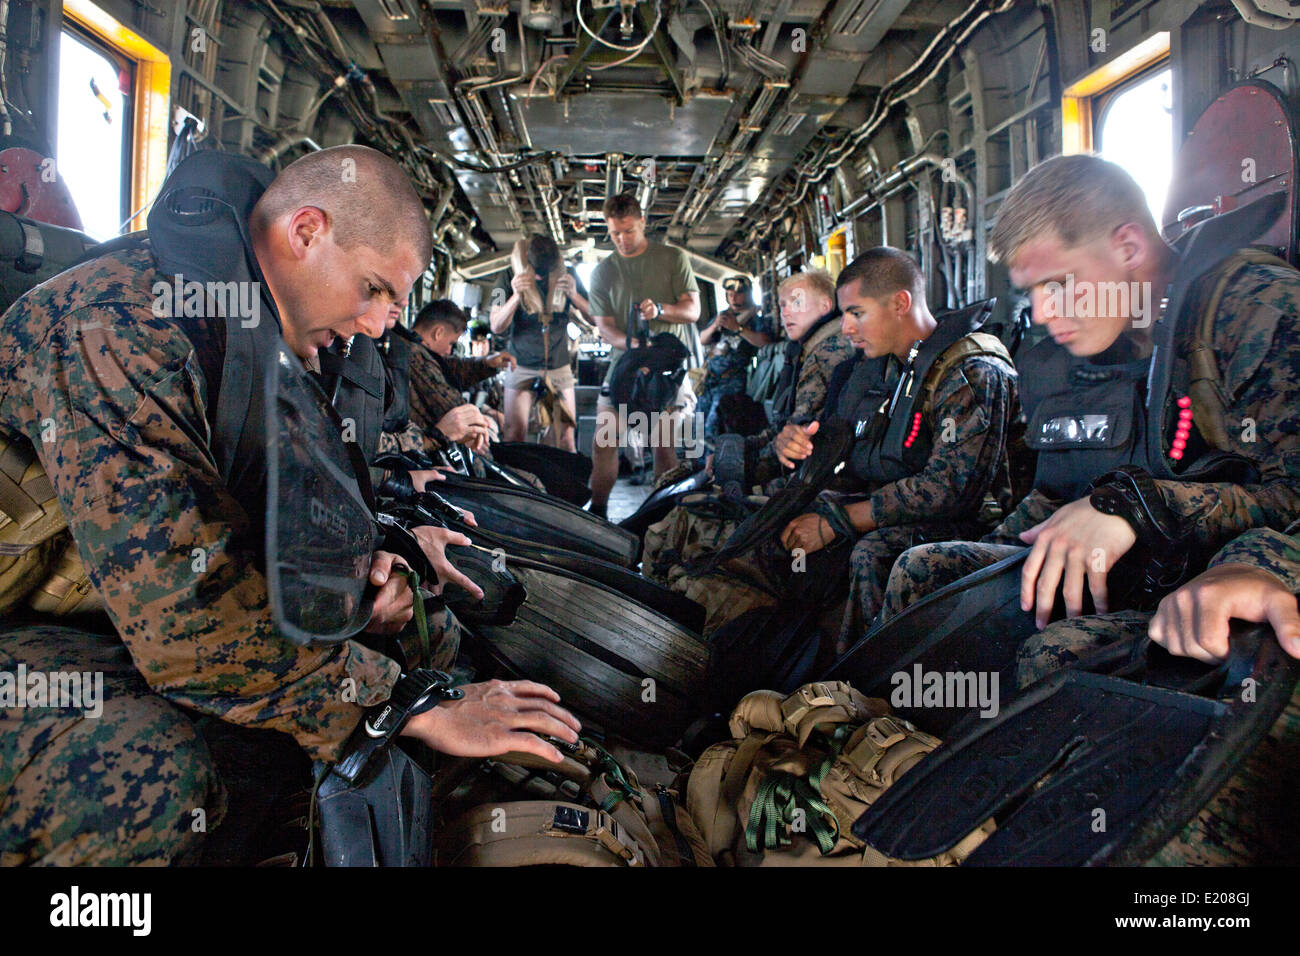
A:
(627, 497)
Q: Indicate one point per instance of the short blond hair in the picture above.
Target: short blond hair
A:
(1079, 198)
(817, 280)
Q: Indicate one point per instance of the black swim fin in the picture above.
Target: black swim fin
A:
(1088, 768)
(532, 516)
(617, 663)
(663, 500)
(973, 624)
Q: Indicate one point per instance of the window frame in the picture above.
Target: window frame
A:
(1087, 97)
(123, 62)
(150, 99)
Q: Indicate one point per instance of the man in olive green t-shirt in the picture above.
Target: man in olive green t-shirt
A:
(658, 280)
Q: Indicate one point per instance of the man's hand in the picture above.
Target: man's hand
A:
(464, 423)
(495, 718)
(499, 359)
(433, 542)
(649, 309)
(811, 532)
(420, 479)
(395, 602)
(794, 443)
(1077, 542)
(728, 322)
(1193, 621)
(566, 285)
(523, 282)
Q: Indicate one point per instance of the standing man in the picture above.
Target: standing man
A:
(736, 335)
(540, 286)
(657, 280)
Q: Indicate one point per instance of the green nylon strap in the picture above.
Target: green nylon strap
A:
(773, 810)
(421, 620)
(835, 744)
(615, 777)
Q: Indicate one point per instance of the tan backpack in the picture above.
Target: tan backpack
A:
(39, 562)
(798, 773)
(619, 822)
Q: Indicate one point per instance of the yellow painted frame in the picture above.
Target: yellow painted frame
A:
(1078, 97)
(151, 109)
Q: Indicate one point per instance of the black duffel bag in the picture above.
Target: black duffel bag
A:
(647, 376)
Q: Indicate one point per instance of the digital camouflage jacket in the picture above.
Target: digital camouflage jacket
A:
(114, 400)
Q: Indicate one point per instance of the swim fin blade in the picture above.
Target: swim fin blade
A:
(1084, 768)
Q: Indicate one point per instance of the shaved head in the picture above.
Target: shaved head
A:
(367, 197)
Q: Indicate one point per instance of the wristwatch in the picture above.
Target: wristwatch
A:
(659, 310)
(1130, 493)
(421, 690)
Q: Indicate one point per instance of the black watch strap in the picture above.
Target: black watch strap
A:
(420, 690)
(1130, 493)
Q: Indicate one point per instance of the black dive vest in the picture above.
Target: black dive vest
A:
(787, 383)
(198, 229)
(353, 376)
(395, 349)
(891, 437)
(1089, 416)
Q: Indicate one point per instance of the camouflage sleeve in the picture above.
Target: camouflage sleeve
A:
(1268, 550)
(432, 396)
(465, 373)
(1034, 509)
(1259, 358)
(968, 418)
(809, 398)
(116, 395)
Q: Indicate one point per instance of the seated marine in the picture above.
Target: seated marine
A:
(1182, 459)
(135, 403)
(438, 380)
(931, 399)
(814, 348)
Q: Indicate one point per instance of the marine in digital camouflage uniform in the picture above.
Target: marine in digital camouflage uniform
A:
(800, 395)
(816, 347)
(1251, 820)
(114, 398)
(438, 384)
(1255, 341)
(939, 451)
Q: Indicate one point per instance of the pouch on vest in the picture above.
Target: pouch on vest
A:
(38, 558)
(601, 815)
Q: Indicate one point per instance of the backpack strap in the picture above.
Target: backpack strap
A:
(826, 702)
(1205, 383)
(27, 497)
(968, 346)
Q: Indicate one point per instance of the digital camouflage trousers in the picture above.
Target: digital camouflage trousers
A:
(123, 778)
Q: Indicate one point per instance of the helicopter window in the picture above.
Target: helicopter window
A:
(1135, 130)
(94, 138)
